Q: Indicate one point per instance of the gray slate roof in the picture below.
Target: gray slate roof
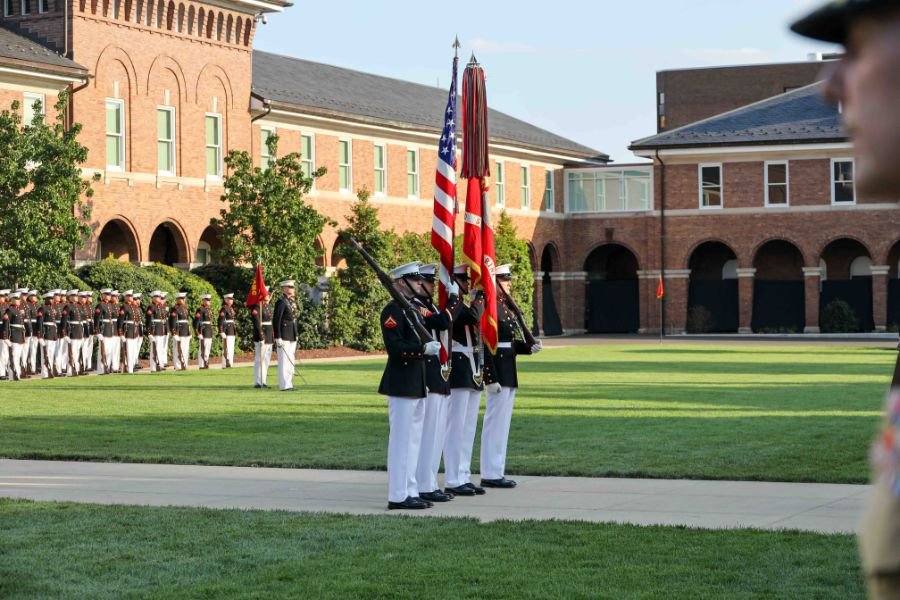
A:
(798, 116)
(19, 46)
(313, 85)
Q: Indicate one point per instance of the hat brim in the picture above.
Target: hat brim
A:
(832, 22)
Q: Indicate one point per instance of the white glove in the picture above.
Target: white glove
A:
(432, 348)
(493, 388)
(453, 289)
(223, 335)
(537, 347)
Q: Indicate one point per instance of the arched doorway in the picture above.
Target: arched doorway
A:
(713, 289)
(549, 314)
(167, 245)
(208, 246)
(847, 276)
(893, 307)
(779, 292)
(118, 241)
(612, 304)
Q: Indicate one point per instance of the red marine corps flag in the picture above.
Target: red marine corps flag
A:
(258, 289)
(443, 223)
(478, 241)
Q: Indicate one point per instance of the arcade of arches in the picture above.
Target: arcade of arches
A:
(775, 287)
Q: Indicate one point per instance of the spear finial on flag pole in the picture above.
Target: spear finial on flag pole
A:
(456, 47)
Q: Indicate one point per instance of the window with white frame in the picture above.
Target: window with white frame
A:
(26, 7)
(204, 253)
(345, 166)
(412, 173)
(843, 190)
(307, 155)
(213, 145)
(776, 183)
(525, 191)
(549, 197)
(43, 6)
(165, 140)
(29, 110)
(266, 158)
(498, 184)
(710, 186)
(8, 7)
(380, 169)
(607, 189)
(115, 134)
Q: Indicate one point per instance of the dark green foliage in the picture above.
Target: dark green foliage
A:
(413, 246)
(42, 192)
(122, 276)
(838, 317)
(511, 249)
(312, 324)
(357, 297)
(266, 218)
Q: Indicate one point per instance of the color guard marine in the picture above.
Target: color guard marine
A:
(434, 425)
(501, 382)
(284, 327)
(30, 309)
(404, 384)
(465, 392)
(73, 333)
(105, 324)
(263, 339)
(156, 322)
(48, 337)
(203, 329)
(129, 328)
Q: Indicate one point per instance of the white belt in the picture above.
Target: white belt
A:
(157, 320)
(227, 321)
(50, 325)
(182, 321)
(31, 320)
(461, 349)
(266, 322)
(206, 322)
(107, 320)
(504, 344)
(129, 322)
(16, 325)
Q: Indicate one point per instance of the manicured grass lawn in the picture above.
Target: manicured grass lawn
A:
(89, 551)
(793, 413)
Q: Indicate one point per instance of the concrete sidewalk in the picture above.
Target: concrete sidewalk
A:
(826, 508)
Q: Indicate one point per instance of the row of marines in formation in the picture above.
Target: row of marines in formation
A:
(433, 413)
(61, 335)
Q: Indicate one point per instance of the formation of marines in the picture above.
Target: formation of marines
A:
(433, 413)
(67, 334)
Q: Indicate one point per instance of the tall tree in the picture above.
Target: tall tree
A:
(266, 217)
(357, 296)
(42, 196)
(511, 249)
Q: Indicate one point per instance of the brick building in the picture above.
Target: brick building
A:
(740, 212)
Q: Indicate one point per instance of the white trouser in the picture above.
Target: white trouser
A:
(462, 421)
(115, 352)
(15, 354)
(104, 355)
(184, 342)
(4, 358)
(286, 360)
(228, 350)
(405, 416)
(158, 350)
(261, 362)
(62, 356)
(31, 348)
(204, 347)
(73, 346)
(48, 351)
(434, 429)
(87, 352)
(498, 409)
(132, 353)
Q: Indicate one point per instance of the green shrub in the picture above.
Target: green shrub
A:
(122, 276)
(838, 317)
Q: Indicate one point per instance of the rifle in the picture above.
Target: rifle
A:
(51, 367)
(104, 356)
(527, 336)
(411, 313)
(123, 355)
(73, 369)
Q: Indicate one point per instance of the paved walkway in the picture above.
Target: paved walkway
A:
(828, 508)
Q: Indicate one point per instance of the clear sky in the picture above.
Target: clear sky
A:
(585, 70)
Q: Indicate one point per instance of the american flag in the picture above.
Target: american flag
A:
(443, 223)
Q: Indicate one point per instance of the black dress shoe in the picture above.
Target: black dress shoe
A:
(498, 483)
(478, 490)
(436, 496)
(256, 385)
(460, 491)
(409, 503)
(428, 503)
(266, 386)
